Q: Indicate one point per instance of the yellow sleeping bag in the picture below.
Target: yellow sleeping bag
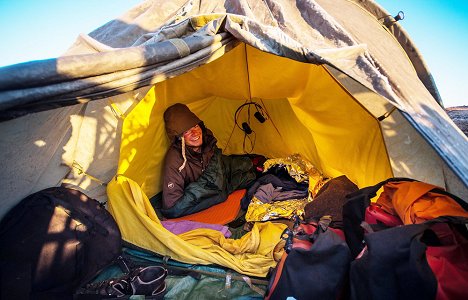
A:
(253, 254)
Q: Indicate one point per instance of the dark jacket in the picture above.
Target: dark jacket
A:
(222, 176)
(175, 181)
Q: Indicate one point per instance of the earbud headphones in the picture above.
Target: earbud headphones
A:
(260, 115)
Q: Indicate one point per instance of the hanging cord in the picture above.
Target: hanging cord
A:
(183, 155)
(269, 118)
(81, 171)
(261, 115)
(245, 126)
(245, 130)
(230, 136)
(248, 73)
(252, 142)
(246, 101)
(236, 124)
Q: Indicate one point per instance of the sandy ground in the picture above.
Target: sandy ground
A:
(459, 115)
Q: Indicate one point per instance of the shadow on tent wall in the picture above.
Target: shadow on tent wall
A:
(49, 123)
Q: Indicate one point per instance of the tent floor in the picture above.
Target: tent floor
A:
(186, 281)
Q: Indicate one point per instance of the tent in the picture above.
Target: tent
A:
(341, 83)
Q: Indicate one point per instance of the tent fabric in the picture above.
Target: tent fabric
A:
(406, 43)
(292, 123)
(51, 127)
(73, 79)
(210, 281)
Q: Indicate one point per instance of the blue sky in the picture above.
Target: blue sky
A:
(32, 29)
(439, 30)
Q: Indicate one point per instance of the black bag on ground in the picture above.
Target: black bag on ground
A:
(415, 261)
(53, 242)
(354, 210)
(315, 265)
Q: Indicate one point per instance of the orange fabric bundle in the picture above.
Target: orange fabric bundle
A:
(221, 213)
(414, 202)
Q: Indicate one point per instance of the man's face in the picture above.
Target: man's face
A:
(193, 137)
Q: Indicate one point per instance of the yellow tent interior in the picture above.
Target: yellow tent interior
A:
(309, 112)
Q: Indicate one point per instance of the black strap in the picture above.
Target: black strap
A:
(459, 200)
(371, 191)
(322, 226)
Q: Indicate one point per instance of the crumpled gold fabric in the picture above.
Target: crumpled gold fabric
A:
(259, 211)
(300, 169)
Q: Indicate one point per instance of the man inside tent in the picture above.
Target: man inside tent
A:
(196, 174)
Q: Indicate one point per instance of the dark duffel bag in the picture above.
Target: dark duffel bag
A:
(427, 259)
(315, 264)
(53, 242)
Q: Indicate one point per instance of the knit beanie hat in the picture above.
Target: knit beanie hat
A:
(178, 118)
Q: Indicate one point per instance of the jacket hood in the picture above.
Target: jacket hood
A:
(178, 118)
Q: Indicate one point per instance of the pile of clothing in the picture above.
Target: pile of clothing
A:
(284, 189)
